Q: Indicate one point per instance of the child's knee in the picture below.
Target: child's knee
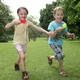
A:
(22, 57)
(59, 56)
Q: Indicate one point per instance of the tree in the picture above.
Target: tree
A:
(33, 33)
(46, 15)
(5, 17)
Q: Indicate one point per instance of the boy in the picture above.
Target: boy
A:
(58, 27)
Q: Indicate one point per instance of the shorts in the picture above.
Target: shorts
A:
(57, 51)
(20, 47)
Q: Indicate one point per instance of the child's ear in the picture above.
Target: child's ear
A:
(53, 15)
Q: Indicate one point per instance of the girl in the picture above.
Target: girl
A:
(21, 37)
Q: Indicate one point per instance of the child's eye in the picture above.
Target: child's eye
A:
(57, 14)
(61, 14)
(25, 14)
(21, 14)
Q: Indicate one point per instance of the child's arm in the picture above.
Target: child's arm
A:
(39, 28)
(54, 33)
(59, 29)
(71, 35)
(68, 33)
(14, 22)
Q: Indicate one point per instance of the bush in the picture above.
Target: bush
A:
(3, 39)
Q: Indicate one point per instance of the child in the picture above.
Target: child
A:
(21, 38)
(58, 27)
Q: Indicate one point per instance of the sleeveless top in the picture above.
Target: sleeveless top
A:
(21, 34)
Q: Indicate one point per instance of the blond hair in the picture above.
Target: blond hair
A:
(57, 8)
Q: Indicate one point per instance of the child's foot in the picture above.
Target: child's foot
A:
(63, 73)
(16, 66)
(49, 60)
(25, 75)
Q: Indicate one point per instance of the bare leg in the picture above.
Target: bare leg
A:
(62, 72)
(60, 64)
(22, 60)
(22, 63)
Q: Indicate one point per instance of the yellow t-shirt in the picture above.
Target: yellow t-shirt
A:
(21, 34)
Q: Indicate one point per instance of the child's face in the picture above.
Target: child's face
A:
(22, 13)
(59, 15)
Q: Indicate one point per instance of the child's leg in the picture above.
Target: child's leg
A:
(52, 57)
(16, 66)
(20, 48)
(22, 63)
(62, 72)
(21, 60)
(60, 64)
(59, 56)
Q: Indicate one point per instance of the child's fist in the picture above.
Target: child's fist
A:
(72, 35)
(16, 21)
(59, 29)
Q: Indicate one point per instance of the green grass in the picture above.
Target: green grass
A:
(36, 61)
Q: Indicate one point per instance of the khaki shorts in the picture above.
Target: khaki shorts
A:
(20, 47)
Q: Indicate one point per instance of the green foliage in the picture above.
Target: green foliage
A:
(72, 15)
(46, 15)
(33, 33)
(5, 17)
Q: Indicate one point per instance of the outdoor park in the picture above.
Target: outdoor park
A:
(36, 61)
(38, 48)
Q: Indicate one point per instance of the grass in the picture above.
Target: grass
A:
(36, 61)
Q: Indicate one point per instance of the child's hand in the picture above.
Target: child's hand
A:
(51, 33)
(16, 22)
(59, 29)
(72, 35)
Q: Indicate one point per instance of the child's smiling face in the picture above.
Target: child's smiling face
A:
(22, 13)
(59, 15)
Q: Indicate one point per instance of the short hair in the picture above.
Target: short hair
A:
(22, 8)
(57, 8)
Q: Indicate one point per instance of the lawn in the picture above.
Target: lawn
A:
(36, 61)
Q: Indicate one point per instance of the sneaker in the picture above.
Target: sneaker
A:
(49, 60)
(16, 66)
